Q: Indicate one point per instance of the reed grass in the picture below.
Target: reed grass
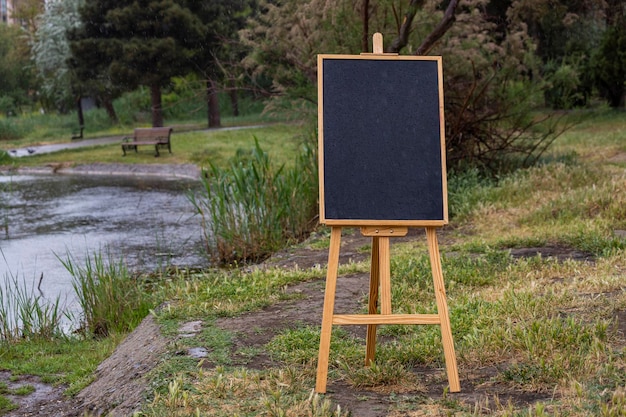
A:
(25, 313)
(111, 299)
(251, 209)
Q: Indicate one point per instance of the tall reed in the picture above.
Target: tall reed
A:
(26, 314)
(251, 209)
(110, 298)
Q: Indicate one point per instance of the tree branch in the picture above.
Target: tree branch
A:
(403, 33)
(443, 26)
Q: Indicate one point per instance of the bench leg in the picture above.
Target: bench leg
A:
(156, 150)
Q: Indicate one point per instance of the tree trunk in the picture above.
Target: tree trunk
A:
(365, 14)
(213, 104)
(79, 111)
(234, 99)
(157, 110)
(108, 106)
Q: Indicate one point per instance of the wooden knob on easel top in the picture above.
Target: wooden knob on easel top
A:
(377, 43)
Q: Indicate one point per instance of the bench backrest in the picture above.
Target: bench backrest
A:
(153, 133)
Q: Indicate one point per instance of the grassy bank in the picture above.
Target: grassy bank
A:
(197, 147)
(535, 269)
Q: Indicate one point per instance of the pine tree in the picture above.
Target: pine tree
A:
(133, 43)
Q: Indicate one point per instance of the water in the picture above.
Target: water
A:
(149, 221)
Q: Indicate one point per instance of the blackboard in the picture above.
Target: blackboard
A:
(381, 140)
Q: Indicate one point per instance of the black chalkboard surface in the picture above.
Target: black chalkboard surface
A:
(381, 141)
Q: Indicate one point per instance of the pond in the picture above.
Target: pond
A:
(147, 221)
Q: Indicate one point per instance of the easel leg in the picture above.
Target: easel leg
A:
(442, 310)
(385, 276)
(329, 305)
(370, 346)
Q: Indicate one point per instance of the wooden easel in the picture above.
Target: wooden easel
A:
(380, 289)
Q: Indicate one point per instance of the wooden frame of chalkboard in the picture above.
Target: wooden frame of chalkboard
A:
(381, 140)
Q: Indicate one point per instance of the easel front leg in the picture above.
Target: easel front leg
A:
(442, 310)
(370, 345)
(329, 306)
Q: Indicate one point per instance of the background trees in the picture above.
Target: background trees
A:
(137, 43)
(503, 59)
(221, 19)
(17, 80)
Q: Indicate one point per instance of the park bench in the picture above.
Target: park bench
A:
(159, 137)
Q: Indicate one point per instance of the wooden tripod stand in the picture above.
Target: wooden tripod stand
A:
(380, 276)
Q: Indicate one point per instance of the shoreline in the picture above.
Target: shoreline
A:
(180, 171)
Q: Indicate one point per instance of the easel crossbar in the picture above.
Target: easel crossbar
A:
(360, 319)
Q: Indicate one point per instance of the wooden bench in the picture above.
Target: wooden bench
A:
(159, 137)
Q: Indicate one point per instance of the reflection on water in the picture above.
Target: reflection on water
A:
(149, 221)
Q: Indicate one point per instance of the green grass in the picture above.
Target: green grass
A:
(254, 208)
(203, 147)
(111, 299)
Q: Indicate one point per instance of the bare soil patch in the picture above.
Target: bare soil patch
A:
(120, 381)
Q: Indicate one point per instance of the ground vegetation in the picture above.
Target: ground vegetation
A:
(533, 264)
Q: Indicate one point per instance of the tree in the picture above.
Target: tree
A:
(16, 73)
(609, 64)
(221, 19)
(490, 82)
(284, 38)
(26, 12)
(141, 42)
(51, 50)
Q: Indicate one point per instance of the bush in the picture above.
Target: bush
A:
(565, 86)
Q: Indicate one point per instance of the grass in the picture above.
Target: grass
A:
(547, 327)
(252, 209)
(111, 299)
(202, 148)
(534, 336)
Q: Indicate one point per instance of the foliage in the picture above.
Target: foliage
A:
(26, 12)
(609, 64)
(252, 209)
(51, 50)
(139, 43)
(18, 79)
(567, 85)
(284, 39)
(489, 124)
(111, 300)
